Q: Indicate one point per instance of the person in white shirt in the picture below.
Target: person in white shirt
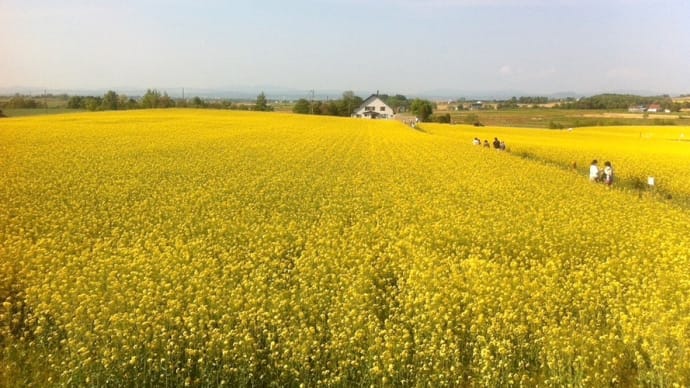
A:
(594, 171)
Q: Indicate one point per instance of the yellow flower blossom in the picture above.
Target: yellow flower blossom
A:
(245, 248)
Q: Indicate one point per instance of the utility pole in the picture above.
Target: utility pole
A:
(311, 102)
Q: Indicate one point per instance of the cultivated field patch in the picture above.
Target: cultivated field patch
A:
(214, 248)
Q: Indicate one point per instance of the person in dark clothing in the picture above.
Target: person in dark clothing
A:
(608, 173)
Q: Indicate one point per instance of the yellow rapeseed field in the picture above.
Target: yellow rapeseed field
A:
(640, 152)
(211, 248)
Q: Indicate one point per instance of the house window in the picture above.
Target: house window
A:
(382, 109)
(368, 108)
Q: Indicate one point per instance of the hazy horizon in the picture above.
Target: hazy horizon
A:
(536, 47)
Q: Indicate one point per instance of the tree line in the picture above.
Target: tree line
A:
(344, 106)
(607, 101)
(515, 102)
(21, 102)
(621, 101)
(152, 99)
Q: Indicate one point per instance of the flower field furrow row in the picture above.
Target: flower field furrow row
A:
(185, 247)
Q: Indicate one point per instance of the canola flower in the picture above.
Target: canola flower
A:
(640, 152)
(204, 248)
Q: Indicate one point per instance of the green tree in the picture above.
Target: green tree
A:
(19, 102)
(92, 103)
(75, 102)
(151, 99)
(398, 103)
(125, 102)
(444, 118)
(316, 107)
(422, 109)
(110, 101)
(302, 106)
(197, 102)
(261, 103)
(165, 101)
(331, 108)
(348, 103)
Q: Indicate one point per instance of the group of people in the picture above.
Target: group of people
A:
(497, 144)
(412, 122)
(598, 175)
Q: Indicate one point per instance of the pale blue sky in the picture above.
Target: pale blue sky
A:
(404, 46)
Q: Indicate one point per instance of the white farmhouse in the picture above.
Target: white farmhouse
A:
(653, 108)
(374, 108)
